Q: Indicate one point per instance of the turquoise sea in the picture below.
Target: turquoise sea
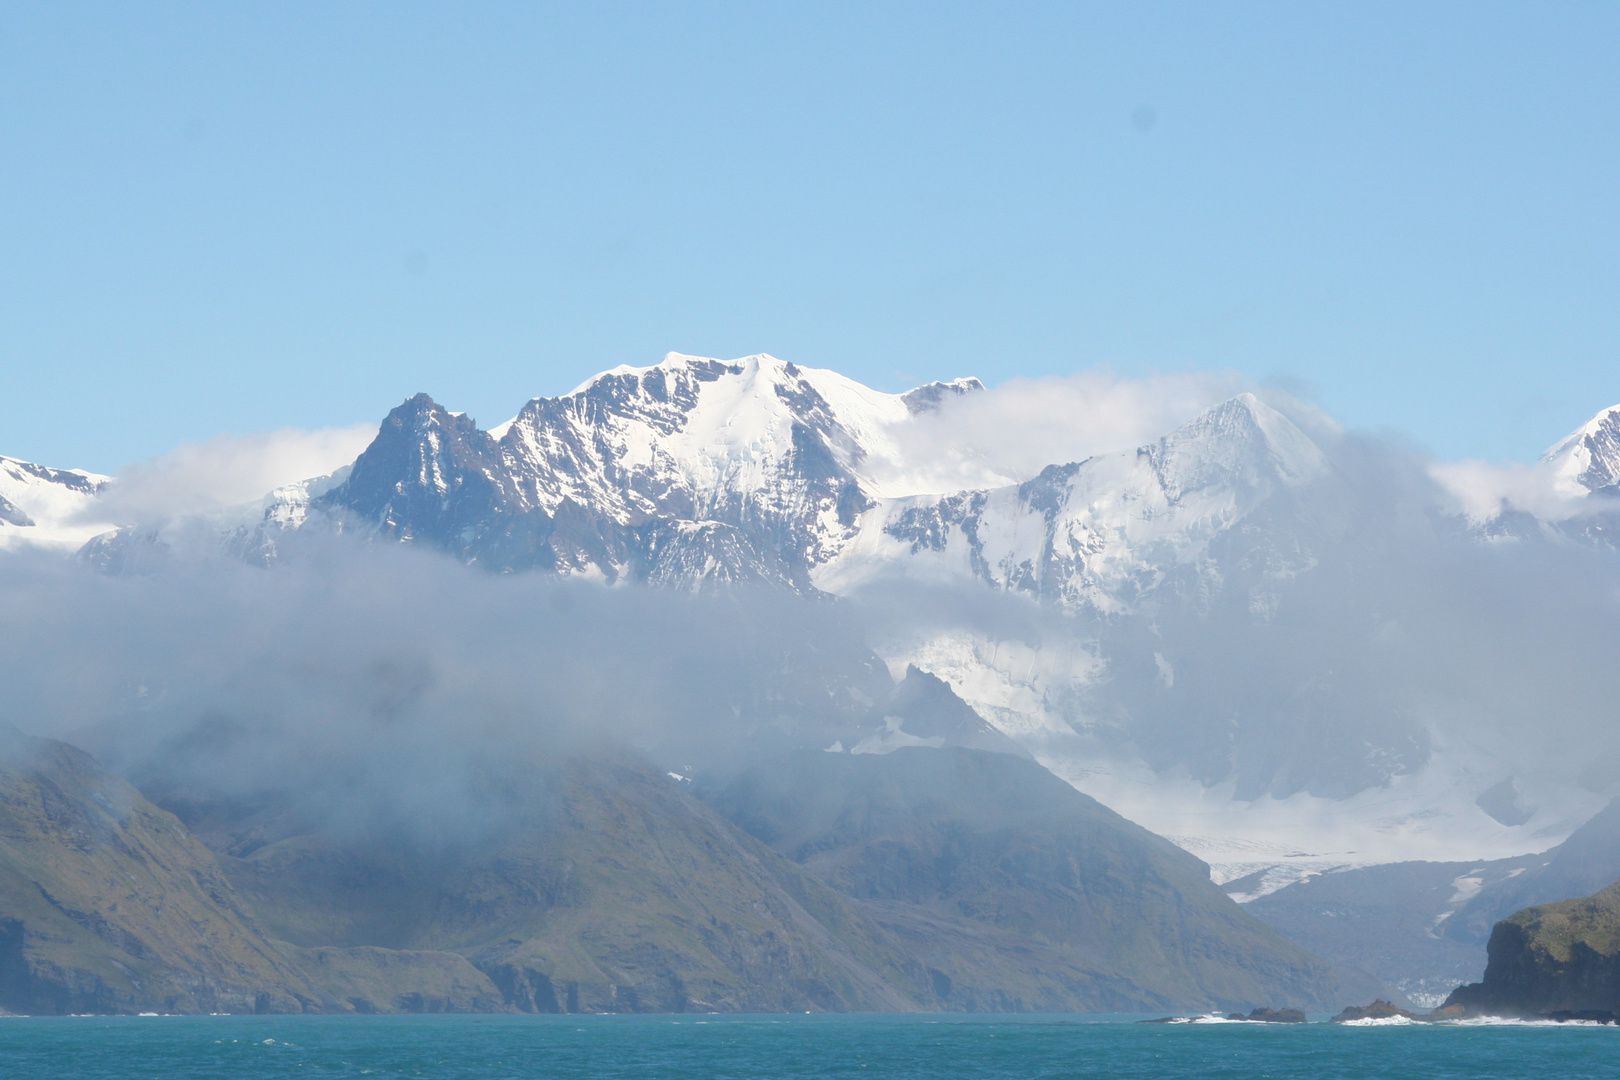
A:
(776, 1047)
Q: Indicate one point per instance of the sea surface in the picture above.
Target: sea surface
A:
(777, 1047)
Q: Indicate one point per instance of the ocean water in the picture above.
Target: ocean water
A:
(778, 1047)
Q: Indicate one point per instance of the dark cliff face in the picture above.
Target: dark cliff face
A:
(1559, 958)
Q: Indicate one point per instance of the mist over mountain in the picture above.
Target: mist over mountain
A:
(1332, 640)
(1289, 648)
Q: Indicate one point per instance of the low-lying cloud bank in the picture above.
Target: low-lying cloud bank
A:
(1359, 628)
(225, 471)
(380, 685)
(1011, 431)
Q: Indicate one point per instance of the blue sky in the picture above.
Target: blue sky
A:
(235, 217)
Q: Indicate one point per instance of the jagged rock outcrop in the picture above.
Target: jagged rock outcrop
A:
(1378, 1010)
(690, 472)
(1272, 1016)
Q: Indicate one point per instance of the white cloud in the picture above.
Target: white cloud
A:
(227, 470)
(1009, 433)
(1484, 490)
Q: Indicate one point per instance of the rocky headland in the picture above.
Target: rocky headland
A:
(1558, 961)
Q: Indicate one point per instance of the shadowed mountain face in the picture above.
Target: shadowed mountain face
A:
(1392, 920)
(1019, 892)
(607, 886)
(108, 904)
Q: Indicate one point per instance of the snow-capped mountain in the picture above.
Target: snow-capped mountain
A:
(1588, 459)
(1205, 631)
(1568, 493)
(1102, 533)
(697, 470)
(691, 471)
(47, 507)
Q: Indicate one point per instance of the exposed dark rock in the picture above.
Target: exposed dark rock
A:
(1378, 1010)
(11, 514)
(1277, 1016)
(1505, 804)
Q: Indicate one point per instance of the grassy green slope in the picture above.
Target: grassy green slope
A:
(614, 890)
(107, 904)
(1019, 892)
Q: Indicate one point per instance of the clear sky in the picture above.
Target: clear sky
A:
(234, 217)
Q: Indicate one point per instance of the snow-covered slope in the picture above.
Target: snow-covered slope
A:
(688, 472)
(699, 470)
(1569, 492)
(1102, 533)
(1588, 459)
(47, 507)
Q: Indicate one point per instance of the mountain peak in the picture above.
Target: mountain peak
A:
(1588, 458)
(426, 471)
(1241, 437)
(930, 396)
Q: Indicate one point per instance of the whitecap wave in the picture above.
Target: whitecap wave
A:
(1379, 1021)
(1514, 1021)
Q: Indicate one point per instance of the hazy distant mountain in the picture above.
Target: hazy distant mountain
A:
(1018, 891)
(1281, 645)
(1423, 927)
